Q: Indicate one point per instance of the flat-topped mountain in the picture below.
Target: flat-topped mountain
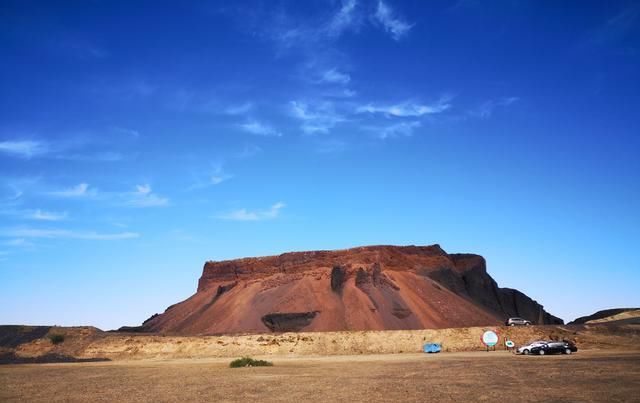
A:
(364, 288)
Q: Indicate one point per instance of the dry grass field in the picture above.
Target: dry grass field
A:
(590, 375)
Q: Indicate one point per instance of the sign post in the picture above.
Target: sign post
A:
(509, 344)
(489, 339)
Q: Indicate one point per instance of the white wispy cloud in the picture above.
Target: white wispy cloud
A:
(80, 190)
(407, 108)
(107, 156)
(345, 18)
(216, 176)
(26, 233)
(24, 148)
(47, 215)
(126, 131)
(345, 93)
(12, 195)
(257, 215)
(144, 197)
(318, 118)
(335, 77)
(396, 130)
(73, 147)
(260, 129)
(241, 109)
(391, 23)
(485, 110)
(289, 32)
(19, 243)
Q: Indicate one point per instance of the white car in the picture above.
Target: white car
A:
(526, 350)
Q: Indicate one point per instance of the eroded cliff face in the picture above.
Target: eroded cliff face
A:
(366, 288)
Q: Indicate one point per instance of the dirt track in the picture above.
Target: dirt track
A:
(471, 376)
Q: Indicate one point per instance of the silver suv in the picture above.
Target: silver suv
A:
(517, 322)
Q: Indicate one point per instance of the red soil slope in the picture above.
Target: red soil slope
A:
(366, 288)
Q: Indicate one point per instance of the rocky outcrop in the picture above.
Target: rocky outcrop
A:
(365, 288)
(338, 276)
(288, 322)
(470, 278)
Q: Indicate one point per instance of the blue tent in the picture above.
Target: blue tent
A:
(432, 348)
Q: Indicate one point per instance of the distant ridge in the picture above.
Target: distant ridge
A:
(609, 315)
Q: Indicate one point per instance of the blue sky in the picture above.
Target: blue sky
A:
(137, 142)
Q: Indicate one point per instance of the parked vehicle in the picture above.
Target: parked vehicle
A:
(517, 322)
(526, 350)
(555, 347)
(548, 347)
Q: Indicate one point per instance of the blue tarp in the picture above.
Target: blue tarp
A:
(432, 348)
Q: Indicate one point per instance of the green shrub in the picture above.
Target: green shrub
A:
(249, 362)
(56, 338)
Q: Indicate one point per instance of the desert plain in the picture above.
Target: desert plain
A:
(371, 366)
(591, 375)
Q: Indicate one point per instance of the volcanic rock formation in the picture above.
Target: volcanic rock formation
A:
(365, 288)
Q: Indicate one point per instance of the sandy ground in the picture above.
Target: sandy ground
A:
(589, 375)
(85, 344)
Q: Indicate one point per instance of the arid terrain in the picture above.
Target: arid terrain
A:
(331, 366)
(28, 343)
(338, 326)
(590, 375)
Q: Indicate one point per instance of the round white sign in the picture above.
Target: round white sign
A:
(490, 338)
(509, 344)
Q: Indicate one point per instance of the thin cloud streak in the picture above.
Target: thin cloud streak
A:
(259, 129)
(259, 215)
(407, 109)
(486, 109)
(80, 190)
(289, 32)
(26, 233)
(334, 76)
(343, 20)
(215, 177)
(24, 148)
(144, 197)
(318, 118)
(242, 109)
(47, 216)
(404, 129)
(391, 23)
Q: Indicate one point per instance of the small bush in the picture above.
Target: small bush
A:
(56, 338)
(249, 362)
